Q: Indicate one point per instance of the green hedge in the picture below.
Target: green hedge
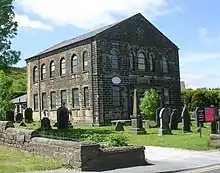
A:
(201, 97)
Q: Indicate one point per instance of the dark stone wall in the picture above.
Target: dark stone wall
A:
(81, 79)
(135, 34)
(83, 156)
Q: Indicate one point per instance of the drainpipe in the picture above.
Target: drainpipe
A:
(39, 86)
(91, 40)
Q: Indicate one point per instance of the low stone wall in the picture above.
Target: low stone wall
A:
(83, 156)
(215, 140)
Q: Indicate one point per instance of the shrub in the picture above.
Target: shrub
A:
(108, 141)
(114, 141)
(201, 97)
(149, 104)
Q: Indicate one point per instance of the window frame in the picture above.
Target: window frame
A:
(115, 59)
(52, 71)
(44, 102)
(75, 98)
(86, 97)
(52, 105)
(74, 64)
(36, 102)
(62, 67)
(61, 96)
(85, 61)
(35, 75)
(152, 61)
(43, 72)
(131, 60)
(116, 97)
(165, 65)
(166, 95)
(142, 63)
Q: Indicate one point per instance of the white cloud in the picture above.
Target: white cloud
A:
(24, 21)
(201, 79)
(199, 69)
(198, 57)
(208, 38)
(89, 13)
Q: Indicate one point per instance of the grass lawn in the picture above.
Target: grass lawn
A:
(179, 139)
(13, 160)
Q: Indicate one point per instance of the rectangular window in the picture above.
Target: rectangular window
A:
(86, 97)
(53, 100)
(166, 96)
(63, 97)
(44, 101)
(116, 96)
(141, 63)
(75, 97)
(35, 102)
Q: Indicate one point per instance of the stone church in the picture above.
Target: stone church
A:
(95, 74)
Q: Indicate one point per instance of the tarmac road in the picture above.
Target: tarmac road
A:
(209, 169)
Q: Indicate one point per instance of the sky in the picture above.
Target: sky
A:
(191, 24)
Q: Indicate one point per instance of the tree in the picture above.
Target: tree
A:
(5, 94)
(8, 30)
(149, 104)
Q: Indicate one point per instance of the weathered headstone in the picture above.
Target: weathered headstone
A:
(158, 116)
(28, 115)
(214, 124)
(10, 116)
(62, 117)
(119, 126)
(45, 124)
(164, 122)
(19, 118)
(186, 120)
(136, 119)
(174, 120)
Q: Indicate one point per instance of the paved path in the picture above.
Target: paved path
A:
(166, 159)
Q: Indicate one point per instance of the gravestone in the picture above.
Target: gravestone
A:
(19, 117)
(45, 124)
(136, 119)
(186, 120)
(62, 117)
(119, 126)
(174, 120)
(158, 116)
(196, 117)
(28, 115)
(164, 122)
(10, 116)
(214, 124)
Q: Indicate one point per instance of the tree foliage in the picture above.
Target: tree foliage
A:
(5, 94)
(8, 30)
(149, 104)
(201, 98)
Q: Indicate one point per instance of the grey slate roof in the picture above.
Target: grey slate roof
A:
(76, 39)
(21, 99)
(86, 36)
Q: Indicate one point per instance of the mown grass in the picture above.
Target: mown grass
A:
(13, 160)
(179, 139)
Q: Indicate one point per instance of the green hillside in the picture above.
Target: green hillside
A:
(19, 77)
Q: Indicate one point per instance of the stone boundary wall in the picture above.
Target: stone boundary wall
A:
(215, 141)
(83, 156)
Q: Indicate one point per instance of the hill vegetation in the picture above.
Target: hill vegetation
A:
(19, 78)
